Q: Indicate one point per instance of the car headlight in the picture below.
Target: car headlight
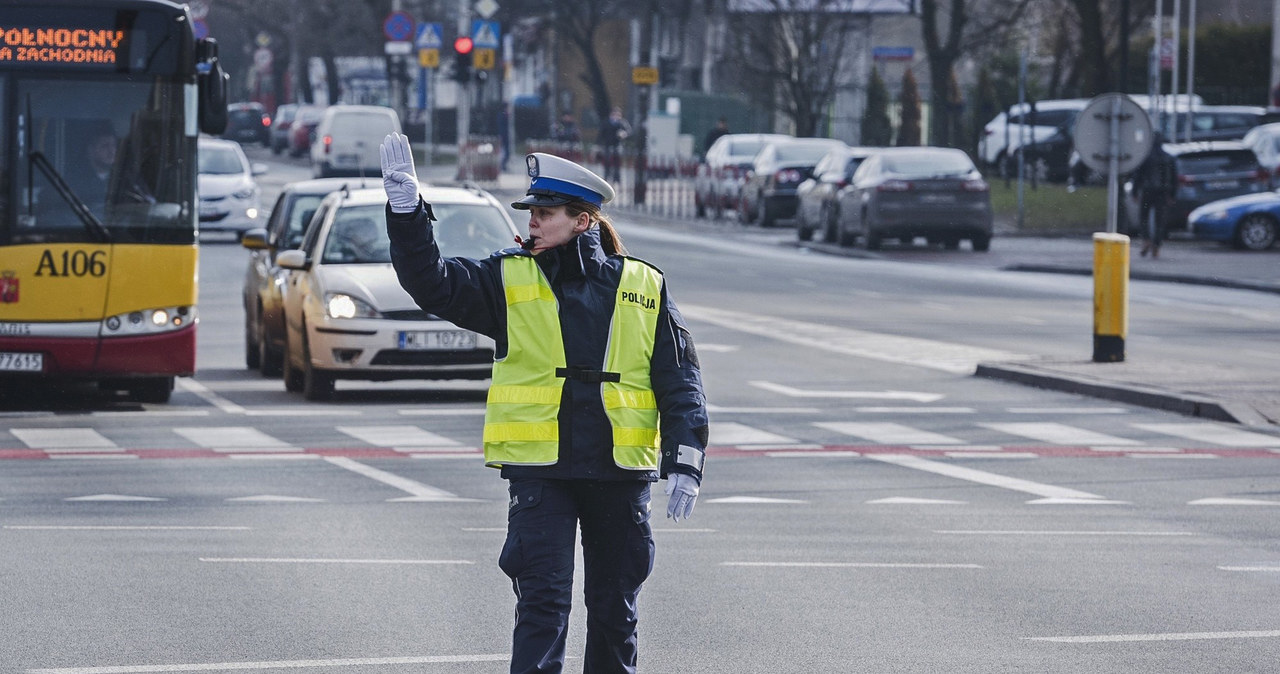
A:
(342, 305)
(245, 193)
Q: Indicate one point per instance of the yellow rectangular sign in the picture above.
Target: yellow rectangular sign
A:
(484, 59)
(644, 75)
(429, 58)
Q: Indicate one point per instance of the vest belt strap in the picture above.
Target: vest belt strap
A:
(589, 376)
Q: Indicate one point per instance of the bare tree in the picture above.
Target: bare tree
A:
(952, 29)
(798, 47)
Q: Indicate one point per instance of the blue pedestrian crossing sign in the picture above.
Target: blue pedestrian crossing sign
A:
(486, 34)
(430, 36)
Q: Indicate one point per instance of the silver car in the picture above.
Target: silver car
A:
(346, 316)
(723, 170)
(902, 193)
(230, 200)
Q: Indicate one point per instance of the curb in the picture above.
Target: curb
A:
(1187, 404)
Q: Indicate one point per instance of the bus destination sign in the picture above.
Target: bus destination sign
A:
(70, 46)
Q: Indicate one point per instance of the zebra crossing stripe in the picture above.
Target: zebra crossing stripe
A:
(234, 439)
(887, 433)
(1061, 434)
(1217, 434)
(732, 433)
(398, 436)
(78, 440)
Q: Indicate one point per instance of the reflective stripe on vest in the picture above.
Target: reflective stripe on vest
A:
(521, 425)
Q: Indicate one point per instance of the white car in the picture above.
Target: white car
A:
(230, 200)
(347, 140)
(346, 315)
(1265, 142)
(1018, 126)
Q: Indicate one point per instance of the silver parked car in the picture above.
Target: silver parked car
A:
(346, 315)
(902, 193)
(264, 280)
(818, 206)
(723, 170)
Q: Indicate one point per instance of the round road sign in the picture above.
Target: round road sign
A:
(398, 27)
(1093, 133)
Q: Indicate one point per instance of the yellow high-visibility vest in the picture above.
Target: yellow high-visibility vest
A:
(521, 417)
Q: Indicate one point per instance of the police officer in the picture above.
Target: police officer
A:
(596, 394)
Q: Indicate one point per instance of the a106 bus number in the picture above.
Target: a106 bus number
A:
(72, 263)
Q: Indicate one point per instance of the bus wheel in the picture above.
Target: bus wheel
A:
(151, 390)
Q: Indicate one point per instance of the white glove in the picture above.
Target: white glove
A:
(398, 177)
(684, 492)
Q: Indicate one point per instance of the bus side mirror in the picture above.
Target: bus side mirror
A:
(213, 85)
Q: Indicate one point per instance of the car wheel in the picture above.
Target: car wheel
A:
(830, 224)
(763, 214)
(871, 240)
(316, 384)
(1256, 232)
(951, 243)
(252, 348)
(292, 375)
(270, 359)
(981, 242)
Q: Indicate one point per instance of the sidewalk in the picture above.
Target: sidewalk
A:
(1203, 388)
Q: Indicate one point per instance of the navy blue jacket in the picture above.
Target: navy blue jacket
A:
(470, 294)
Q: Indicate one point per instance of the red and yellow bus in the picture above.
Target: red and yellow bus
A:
(101, 102)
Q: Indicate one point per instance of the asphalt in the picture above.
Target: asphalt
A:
(1199, 386)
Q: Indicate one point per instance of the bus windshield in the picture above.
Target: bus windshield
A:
(120, 159)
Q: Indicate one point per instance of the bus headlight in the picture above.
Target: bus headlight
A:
(148, 321)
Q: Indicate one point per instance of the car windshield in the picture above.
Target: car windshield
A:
(745, 148)
(803, 152)
(352, 123)
(1216, 163)
(219, 160)
(927, 164)
(359, 233)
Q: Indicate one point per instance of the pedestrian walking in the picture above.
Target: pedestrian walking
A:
(721, 128)
(1154, 178)
(596, 394)
(614, 130)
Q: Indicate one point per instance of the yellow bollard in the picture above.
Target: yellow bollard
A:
(1110, 296)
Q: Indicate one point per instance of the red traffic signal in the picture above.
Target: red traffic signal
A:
(463, 45)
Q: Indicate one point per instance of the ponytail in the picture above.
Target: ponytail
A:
(609, 238)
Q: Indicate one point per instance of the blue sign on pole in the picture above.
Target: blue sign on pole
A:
(430, 36)
(486, 34)
(398, 27)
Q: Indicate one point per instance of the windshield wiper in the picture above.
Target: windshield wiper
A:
(91, 222)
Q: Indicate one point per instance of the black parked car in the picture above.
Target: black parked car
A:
(1205, 171)
(248, 123)
(769, 193)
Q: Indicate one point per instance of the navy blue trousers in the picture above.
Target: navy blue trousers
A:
(617, 553)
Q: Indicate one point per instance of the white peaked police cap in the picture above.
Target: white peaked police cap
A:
(555, 181)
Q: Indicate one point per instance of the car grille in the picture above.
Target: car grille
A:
(409, 315)
(468, 357)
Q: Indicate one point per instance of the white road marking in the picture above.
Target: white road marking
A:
(992, 455)
(717, 409)
(915, 410)
(272, 498)
(64, 439)
(113, 497)
(1251, 569)
(192, 386)
(820, 454)
(718, 348)
(417, 491)
(734, 433)
(148, 413)
(321, 560)
(1218, 434)
(1061, 434)
(277, 664)
(1035, 532)
(983, 477)
(398, 436)
(233, 439)
(792, 392)
(752, 499)
(858, 565)
(1234, 501)
(1066, 410)
(928, 353)
(301, 412)
(911, 500)
(1173, 636)
(442, 411)
(118, 527)
(53, 455)
(887, 433)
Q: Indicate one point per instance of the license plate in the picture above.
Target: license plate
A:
(1221, 185)
(937, 198)
(21, 362)
(208, 210)
(348, 159)
(437, 340)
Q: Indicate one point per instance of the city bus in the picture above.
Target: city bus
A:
(101, 103)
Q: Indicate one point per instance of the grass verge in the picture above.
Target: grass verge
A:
(1049, 209)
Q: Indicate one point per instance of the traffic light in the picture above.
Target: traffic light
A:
(462, 59)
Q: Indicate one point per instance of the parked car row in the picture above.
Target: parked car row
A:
(322, 301)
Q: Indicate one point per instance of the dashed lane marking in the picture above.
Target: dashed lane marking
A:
(276, 664)
(1174, 636)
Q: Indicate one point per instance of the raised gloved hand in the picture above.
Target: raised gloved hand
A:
(684, 493)
(398, 177)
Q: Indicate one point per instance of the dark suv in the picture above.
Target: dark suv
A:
(248, 123)
(1205, 171)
